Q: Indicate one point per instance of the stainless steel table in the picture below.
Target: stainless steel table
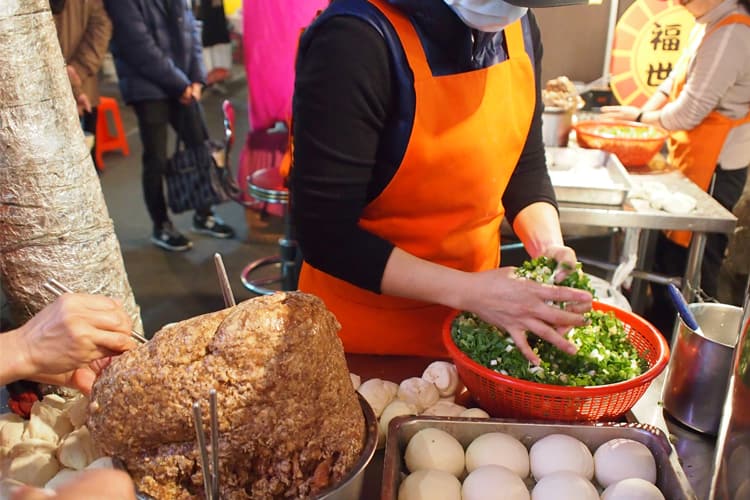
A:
(708, 216)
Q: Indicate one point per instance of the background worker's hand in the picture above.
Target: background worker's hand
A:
(629, 113)
(187, 95)
(197, 90)
(83, 103)
(75, 332)
(518, 305)
(103, 484)
(73, 76)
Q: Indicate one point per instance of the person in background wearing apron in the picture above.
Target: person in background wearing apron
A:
(416, 129)
(705, 104)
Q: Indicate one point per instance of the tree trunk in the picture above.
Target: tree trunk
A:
(53, 219)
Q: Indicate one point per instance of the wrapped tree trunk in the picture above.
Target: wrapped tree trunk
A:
(53, 219)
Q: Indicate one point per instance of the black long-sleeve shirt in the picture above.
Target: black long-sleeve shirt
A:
(345, 102)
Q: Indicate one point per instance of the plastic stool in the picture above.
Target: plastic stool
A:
(104, 140)
(267, 185)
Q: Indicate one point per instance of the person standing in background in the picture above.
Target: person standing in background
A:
(158, 56)
(84, 31)
(217, 47)
(705, 104)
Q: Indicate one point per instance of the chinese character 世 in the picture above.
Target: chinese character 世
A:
(658, 74)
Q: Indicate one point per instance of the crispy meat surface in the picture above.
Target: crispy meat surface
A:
(290, 422)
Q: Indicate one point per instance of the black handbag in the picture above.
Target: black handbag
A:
(195, 179)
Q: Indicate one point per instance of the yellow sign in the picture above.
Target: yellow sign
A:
(649, 38)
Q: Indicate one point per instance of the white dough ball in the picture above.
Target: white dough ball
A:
(564, 485)
(499, 449)
(474, 413)
(622, 458)
(444, 409)
(429, 484)
(558, 452)
(634, 488)
(378, 393)
(434, 449)
(395, 408)
(419, 392)
(101, 463)
(494, 482)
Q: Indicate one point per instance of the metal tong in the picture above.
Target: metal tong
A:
(210, 472)
(226, 287)
(57, 289)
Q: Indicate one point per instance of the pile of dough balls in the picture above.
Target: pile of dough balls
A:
(51, 447)
(431, 394)
(497, 466)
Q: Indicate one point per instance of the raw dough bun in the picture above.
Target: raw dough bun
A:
(622, 458)
(62, 477)
(77, 410)
(394, 409)
(31, 462)
(11, 432)
(634, 488)
(560, 452)
(432, 448)
(378, 393)
(564, 485)
(47, 422)
(494, 482)
(356, 380)
(419, 392)
(445, 377)
(77, 449)
(101, 463)
(430, 485)
(444, 409)
(499, 449)
(474, 413)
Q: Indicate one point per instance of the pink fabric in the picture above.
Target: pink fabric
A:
(271, 30)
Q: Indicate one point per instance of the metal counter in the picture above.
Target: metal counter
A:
(707, 217)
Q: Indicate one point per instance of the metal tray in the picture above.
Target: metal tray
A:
(670, 477)
(589, 165)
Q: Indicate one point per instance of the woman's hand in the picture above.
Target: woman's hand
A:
(518, 305)
(629, 113)
(71, 339)
(91, 484)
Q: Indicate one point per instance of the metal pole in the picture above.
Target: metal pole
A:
(614, 7)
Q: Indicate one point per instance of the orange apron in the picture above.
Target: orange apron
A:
(445, 202)
(697, 151)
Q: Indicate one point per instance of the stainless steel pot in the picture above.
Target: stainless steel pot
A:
(699, 368)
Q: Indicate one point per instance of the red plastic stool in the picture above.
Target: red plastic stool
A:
(104, 140)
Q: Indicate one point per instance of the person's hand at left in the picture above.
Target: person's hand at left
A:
(98, 484)
(68, 342)
(73, 76)
(629, 113)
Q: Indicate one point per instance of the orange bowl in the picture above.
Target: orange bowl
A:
(634, 143)
(505, 396)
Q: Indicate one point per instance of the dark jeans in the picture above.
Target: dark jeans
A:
(153, 119)
(671, 258)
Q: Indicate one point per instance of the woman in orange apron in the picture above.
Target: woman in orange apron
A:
(416, 130)
(705, 103)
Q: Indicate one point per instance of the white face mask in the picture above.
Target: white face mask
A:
(486, 15)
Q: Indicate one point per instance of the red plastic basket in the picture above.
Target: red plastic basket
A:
(505, 396)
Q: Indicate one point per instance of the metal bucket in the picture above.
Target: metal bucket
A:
(556, 126)
(698, 371)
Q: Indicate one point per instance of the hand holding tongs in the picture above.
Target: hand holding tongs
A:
(58, 289)
(210, 473)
